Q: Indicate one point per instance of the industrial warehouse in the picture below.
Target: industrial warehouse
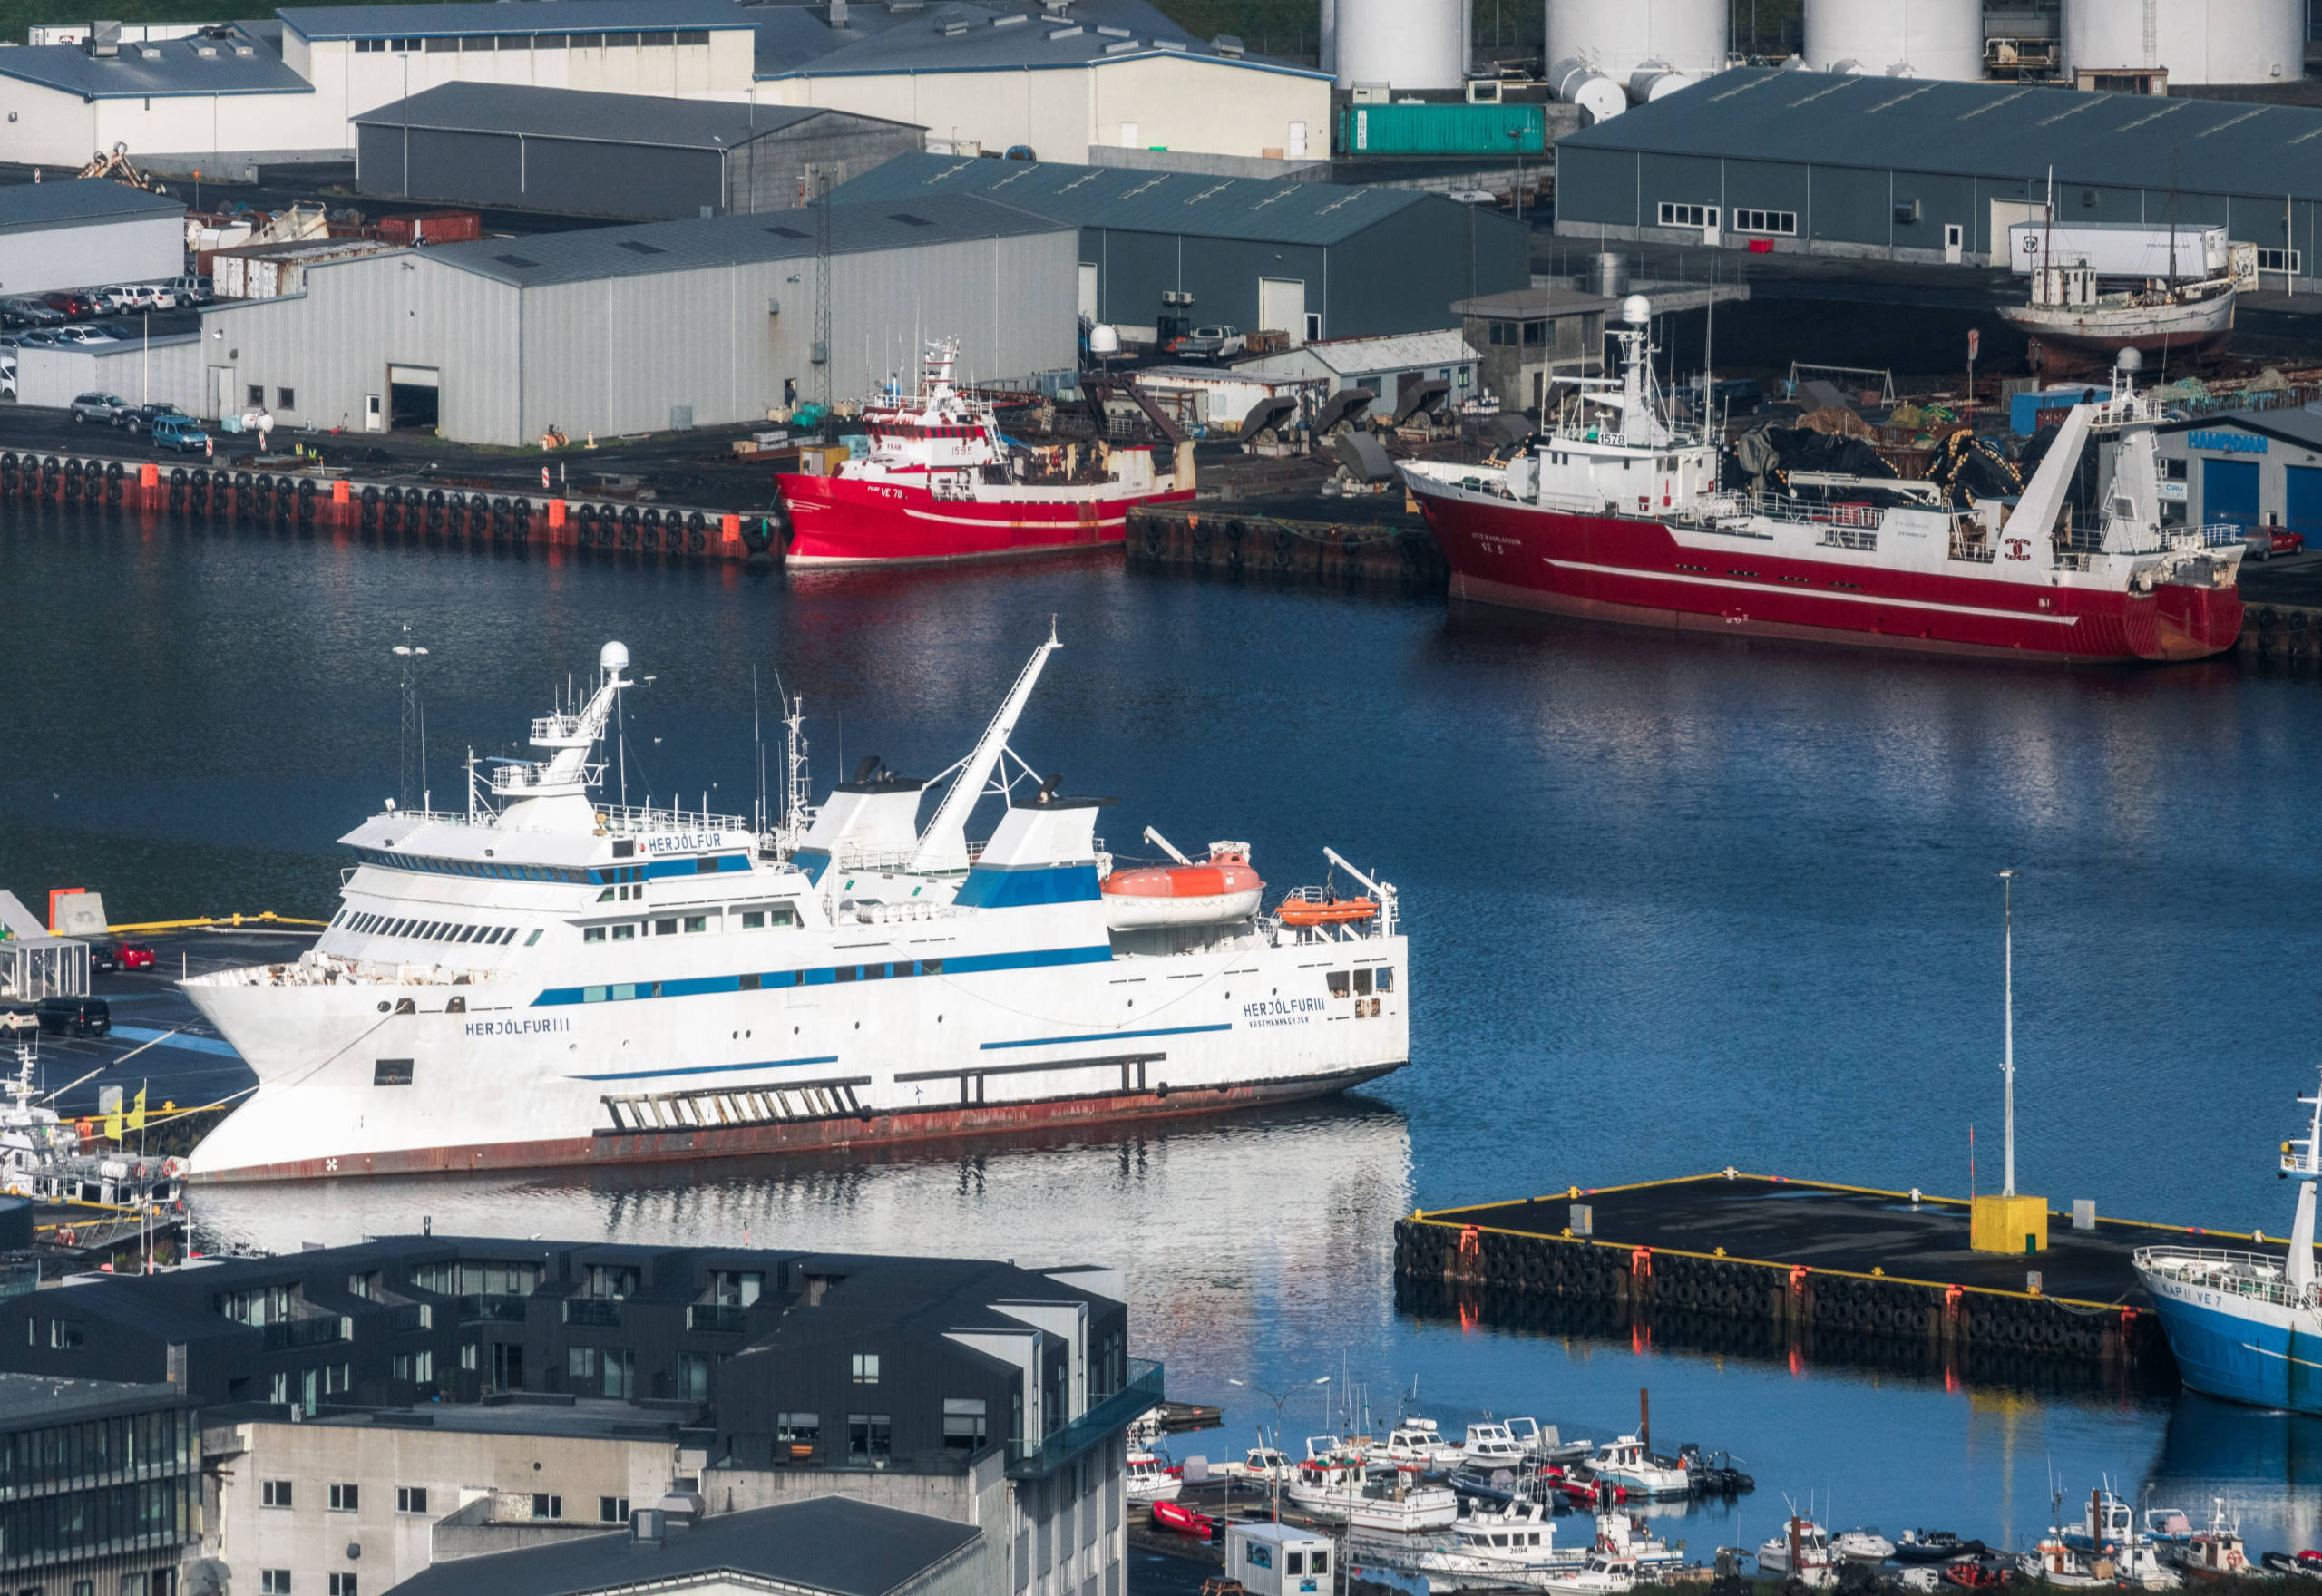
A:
(662, 326)
(63, 235)
(1900, 169)
(632, 156)
(1162, 251)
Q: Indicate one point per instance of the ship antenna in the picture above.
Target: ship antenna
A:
(2007, 1065)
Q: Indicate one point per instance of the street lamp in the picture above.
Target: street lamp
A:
(1280, 1400)
(1517, 134)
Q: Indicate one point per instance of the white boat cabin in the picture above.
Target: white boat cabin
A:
(1278, 1559)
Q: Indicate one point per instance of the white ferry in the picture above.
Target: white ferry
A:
(550, 980)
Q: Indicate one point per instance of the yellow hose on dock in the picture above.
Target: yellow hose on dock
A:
(269, 917)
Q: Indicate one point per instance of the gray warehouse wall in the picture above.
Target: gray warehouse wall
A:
(770, 173)
(135, 249)
(439, 167)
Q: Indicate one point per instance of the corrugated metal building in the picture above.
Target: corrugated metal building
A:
(2247, 468)
(636, 329)
(1386, 365)
(1314, 260)
(617, 155)
(1910, 170)
(85, 231)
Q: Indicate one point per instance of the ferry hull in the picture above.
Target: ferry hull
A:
(877, 1130)
(2238, 1350)
(1606, 568)
(839, 520)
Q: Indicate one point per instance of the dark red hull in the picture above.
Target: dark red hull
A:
(843, 520)
(1608, 568)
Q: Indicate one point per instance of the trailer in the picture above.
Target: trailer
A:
(2121, 248)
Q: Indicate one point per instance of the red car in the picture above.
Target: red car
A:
(71, 304)
(2266, 542)
(135, 956)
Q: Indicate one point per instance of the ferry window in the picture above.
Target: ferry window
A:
(592, 933)
(389, 1072)
(665, 927)
(697, 922)
(1362, 983)
(785, 915)
(705, 867)
(753, 920)
(624, 933)
(846, 972)
(931, 967)
(749, 983)
(607, 895)
(623, 991)
(874, 972)
(1339, 980)
(533, 938)
(1385, 979)
(467, 934)
(592, 994)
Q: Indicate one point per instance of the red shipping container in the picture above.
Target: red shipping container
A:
(433, 227)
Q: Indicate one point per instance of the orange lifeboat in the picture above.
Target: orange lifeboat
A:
(1226, 889)
(1309, 907)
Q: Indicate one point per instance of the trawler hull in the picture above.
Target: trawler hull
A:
(2238, 1349)
(1637, 571)
(840, 521)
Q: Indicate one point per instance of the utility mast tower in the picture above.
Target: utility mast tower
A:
(408, 655)
(824, 179)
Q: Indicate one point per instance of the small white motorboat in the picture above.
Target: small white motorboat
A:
(2212, 1553)
(1151, 1478)
(1345, 1492)
(1417, 1442)
(1493, 1445)
(1544, 1446)
(1603, 1573)
(1801, 1551)
(1262, 1464)
(1516, 1546)
(1861, 1545)
(1626, 1463)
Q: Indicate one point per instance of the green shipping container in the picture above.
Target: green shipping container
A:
(1443, 130)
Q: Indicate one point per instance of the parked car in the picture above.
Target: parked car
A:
(87, 407)
(102, 957)
(70, 306)
(191, 289)
(2265, 542)
(76, 1017)
(139, 418)
(86, 333)
(135, 956)
(31, 311)
(39, 339)
(19, 1021)
(114, 296)
(1219, 343)
(8, 374)
(181, 432)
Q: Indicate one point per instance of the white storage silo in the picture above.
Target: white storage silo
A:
(1403, 43)
(1922, 38)
(1576, 82)
(1616, 37)
(2198, 40)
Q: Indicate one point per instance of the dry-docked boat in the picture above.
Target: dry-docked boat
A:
(548, 978)
(1623, 511)
(1345, 1492)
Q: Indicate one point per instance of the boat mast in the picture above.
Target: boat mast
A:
(2007, 1065)
(2304, 1160)
(944, 844)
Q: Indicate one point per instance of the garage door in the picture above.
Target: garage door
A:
(414, 399)
(2005, 214)
(2302, 504)
(2229, 491)
(1281, 306)
(1089, 292)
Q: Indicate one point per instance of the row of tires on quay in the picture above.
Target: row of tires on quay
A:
(1547, 1265)
(2283, 631)
(1240, 545)
(266, 496)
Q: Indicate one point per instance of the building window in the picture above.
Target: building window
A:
(693, 35)
(798, 1433)
(1688, 215)
(665, 927)
(342, 1585)
(66, 1335)
(546, 1506)
(345, 1498)
(2290, 261)
(592, 933)
(274, 1581)
(693, 1377)
(612, 1510)
(1536, 335)
(274, 1493)
(415, 1367)
(866, 1369)
(870, 1438)
(411, 1499)
(601, 1371)
(963, 1424)
(624, 933)
(257, 395)
(697, 922)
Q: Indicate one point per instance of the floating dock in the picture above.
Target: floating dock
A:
(1230, 540)
(1760, 1262)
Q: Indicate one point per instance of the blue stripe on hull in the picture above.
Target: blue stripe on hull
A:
(2267, 1362)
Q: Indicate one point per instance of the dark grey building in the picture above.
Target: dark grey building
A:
(617, 155)
(100, 1484)
(1914, 170)
(2246, 468)
(1314, 260)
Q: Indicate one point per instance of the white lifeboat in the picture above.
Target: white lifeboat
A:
(1225, 889)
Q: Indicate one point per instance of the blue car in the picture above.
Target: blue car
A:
(181, 432)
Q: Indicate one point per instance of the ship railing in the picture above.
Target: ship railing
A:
(2252, 1276)
(1975, 546)
(637, 817)
(555, 728)
(523, 780)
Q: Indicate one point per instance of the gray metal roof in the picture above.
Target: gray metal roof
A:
(2010, 131)
(510, 17)
(76, 201)
(831, 1544)
(1127, 199)
(591, 253)
(797, 40)
(169, 68)
(605, 118)
(26, 1400)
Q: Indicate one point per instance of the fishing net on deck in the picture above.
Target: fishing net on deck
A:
(1837, 421)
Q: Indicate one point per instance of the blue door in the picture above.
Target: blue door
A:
(2302, 506)
(2229, 491)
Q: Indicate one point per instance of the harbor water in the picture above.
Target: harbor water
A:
(1675, 904)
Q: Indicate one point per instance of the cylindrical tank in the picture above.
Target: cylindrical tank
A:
(1608, 275)
(1618, 36)
(1926, 38)
(1575, 83)
(1403, 43)
(2199, 40)
(1656, 80)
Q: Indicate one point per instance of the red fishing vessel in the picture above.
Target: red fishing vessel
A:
(942, 482)
(1623, 512)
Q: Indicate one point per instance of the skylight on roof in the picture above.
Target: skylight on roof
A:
(635, 246)
(787, 233)
(514, 261)
(909, 220)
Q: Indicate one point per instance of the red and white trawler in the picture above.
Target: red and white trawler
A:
(1621, 513)
(942, 482)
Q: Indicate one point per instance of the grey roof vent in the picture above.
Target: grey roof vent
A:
(208, 51)
(897, 7)
(245, 50)
(150, 52)
(1074, 32)
(837, 14)
(637, 247)
(1227, 44)
(1011, 19)
(1122, 48)
(953, 27)
(105, 38)
(1112, 32)
(514, 261)
(1177, 44)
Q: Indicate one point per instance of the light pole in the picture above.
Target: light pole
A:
(410, 657)
(2007, 1055)
(1280, 1400)
(1517, 134)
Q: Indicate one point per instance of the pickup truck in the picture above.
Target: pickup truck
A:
(1209, 344)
